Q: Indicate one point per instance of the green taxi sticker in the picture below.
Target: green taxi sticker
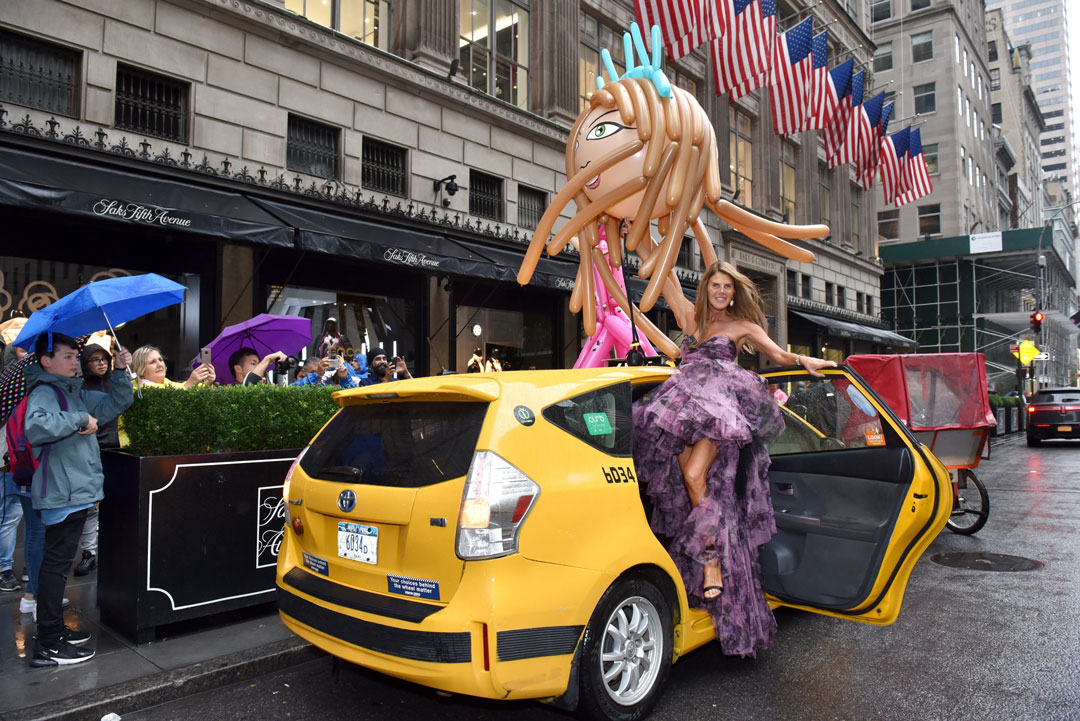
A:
(597, 424)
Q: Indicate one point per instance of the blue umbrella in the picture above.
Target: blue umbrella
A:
(101, 304)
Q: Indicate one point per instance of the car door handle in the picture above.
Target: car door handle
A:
(784, 489)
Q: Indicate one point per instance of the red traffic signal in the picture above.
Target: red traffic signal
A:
(1036, 321)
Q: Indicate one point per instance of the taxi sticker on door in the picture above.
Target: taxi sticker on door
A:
(875, 438)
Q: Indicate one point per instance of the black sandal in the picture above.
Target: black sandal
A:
(707, 597)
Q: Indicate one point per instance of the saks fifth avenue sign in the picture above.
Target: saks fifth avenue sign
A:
(149, 214)
(408, 257)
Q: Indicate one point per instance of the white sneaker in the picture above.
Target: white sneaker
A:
(30, 606)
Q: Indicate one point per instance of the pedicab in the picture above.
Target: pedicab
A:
(942, 398)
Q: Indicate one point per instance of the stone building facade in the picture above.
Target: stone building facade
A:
(379, 161)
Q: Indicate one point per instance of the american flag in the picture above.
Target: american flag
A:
(918, 177)
(791, 78)
(894, 163)
(685, 24)
(819, 85)
(867, 175)
(869, 137)
(833, 124)
(852, 116)
(742, 56)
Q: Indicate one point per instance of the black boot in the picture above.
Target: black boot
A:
(87, 564)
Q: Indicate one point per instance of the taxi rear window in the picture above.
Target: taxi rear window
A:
(601, 418)
(398, 444)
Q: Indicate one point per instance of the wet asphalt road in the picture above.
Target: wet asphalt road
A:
(968, 644)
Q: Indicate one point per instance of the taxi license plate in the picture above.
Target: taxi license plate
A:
(358, 542)
(1064, 429)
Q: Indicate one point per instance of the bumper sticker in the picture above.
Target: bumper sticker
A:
(316, 564)
(415, 587)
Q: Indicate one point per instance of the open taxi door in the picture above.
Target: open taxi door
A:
(857, 499)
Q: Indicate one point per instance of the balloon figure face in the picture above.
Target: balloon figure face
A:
(602, 133)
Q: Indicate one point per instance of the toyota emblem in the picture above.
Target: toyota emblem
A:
(346, 501)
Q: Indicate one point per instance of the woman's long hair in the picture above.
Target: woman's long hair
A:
(746, 302)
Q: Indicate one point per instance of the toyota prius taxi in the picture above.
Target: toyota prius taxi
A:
(487, 534)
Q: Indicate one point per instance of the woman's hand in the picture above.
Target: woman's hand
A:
(813, 365)
(202, 374)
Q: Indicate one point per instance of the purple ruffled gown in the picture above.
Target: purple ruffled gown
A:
(713, 397)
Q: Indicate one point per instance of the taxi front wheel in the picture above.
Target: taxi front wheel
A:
(626, 652)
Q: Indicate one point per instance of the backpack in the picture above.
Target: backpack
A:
(20, 454)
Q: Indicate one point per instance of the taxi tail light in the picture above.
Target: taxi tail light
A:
(288, 478)
(1066, 409)
(496, 500)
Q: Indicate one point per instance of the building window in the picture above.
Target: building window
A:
(925, 99)
(807, 287)
(995, 79)
(930, 157)
(485, 195)
(364, 20)
(595, 36)
(825, 176)
(687, 256)
(995, 113)
(830, 293)
(384, 168)
(922, 46)
(792, 283)
(151, 104)
(880, 10)
(956, 46)
(888, 226)
(960, 100)
(681, 80)
(312, 147)
(967, 112)
(39, 75)
(496, 63)
(841, 296)
(919, 4)
(860, 302)
(869, 304)
(787, 181)
(963, 66)
(531, 206)
(852, 241)
(929, 220)
(741, 147)
(883, 57)
(991, 51)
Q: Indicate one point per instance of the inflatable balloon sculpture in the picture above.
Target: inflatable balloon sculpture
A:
(641, 151)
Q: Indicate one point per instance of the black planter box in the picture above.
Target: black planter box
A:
(184, 537)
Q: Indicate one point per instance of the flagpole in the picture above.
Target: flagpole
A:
(849, 52)
(800, 12)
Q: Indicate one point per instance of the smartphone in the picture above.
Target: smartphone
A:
(204, 356)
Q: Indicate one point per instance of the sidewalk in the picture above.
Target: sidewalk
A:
(122, 677)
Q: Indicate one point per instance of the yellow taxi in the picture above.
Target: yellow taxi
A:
(486, 534)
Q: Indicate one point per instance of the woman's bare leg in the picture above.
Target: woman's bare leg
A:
(695, 462)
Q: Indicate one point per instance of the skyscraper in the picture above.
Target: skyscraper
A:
(1044, 25)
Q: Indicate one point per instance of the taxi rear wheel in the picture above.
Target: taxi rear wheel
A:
(626, 652)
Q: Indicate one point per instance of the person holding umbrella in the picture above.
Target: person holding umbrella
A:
(61, 425)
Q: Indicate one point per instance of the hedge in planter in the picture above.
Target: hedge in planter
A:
(168, 421)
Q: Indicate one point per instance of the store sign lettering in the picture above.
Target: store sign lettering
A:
(564, 283)
(149, 214)
(407, 257)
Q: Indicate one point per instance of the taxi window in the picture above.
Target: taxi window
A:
(399, 444)
(825, 414)
(601, 418)
(1057, 397)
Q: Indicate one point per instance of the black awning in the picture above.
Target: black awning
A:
(35, 181)
(549, 273)
(857, 331)
(344, 236)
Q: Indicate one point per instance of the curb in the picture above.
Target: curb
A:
(166, 686)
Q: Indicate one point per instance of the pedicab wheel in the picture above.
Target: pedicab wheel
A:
(626, 652)
(971, 507)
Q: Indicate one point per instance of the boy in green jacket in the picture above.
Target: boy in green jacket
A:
(68, 481)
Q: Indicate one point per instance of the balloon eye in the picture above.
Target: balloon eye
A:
(604, 130)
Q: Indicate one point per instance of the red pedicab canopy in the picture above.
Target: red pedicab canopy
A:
(930, 391)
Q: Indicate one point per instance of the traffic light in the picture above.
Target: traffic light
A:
(1036, 321)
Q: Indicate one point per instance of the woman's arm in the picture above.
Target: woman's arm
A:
(757, 337)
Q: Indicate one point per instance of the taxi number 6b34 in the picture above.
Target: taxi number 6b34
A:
(358, 542)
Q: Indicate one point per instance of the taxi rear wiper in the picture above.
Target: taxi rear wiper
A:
(343, 471)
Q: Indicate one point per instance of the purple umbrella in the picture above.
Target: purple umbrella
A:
(265, 334)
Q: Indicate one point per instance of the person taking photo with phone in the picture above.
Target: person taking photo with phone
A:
(383, 370)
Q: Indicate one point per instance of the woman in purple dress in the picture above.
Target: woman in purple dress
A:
(700, 446)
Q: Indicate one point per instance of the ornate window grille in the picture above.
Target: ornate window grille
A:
(531, 206)
(39, 75)
(384, 168)
(151, 104)
(312, 148)
(485, 196)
